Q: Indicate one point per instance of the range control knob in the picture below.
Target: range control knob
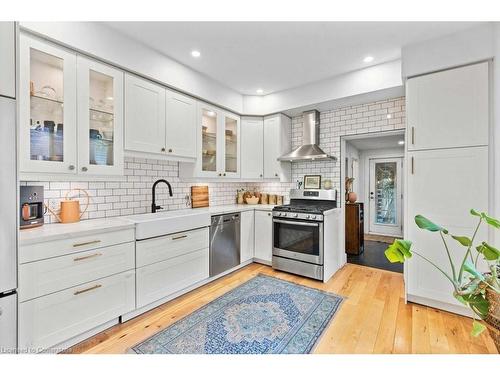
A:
(295, 215)
(278, 213)
(284, 214)
(313, 217)
(308, 216)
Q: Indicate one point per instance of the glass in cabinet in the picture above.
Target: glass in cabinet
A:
(231, 145)
(209, 129)
(100, 122)
(47, 107)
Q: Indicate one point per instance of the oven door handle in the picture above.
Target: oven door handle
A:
(297, 223)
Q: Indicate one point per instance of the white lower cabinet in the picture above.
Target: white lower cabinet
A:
(52, 319)
(442, 185)
(247, 235)
(51, 275)
(263, 236)
(161, 279)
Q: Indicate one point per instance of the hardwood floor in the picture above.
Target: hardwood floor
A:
(372, 319)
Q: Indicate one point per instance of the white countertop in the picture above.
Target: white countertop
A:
(51, 232)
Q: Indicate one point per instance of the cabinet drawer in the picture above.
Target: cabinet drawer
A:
(55, 318)
(161, 279)
(50, 249)
(51, 275)
(171, 246)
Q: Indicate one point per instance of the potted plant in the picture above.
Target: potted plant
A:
(477, 290)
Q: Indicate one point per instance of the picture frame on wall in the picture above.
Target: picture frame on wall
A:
(312, 182)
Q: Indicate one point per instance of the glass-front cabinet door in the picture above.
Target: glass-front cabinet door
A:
(231, 145)
(209, 160)
(100, 120)
(47, 102)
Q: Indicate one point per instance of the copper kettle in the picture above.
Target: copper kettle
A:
(70, 208)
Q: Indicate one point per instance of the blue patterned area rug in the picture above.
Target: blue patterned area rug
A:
(263, 315)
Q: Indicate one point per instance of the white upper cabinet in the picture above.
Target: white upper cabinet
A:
(8, 59)
(277, 141)
(252, 148)
(180, 125)
(449, 108)
(100, 118)
(144, 116)
(218, 145)
(47, 100)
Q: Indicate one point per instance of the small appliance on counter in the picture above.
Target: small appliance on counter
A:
(31, 206)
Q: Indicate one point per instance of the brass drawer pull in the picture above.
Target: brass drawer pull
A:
(87, 290)
(87, 257)
(179, 237)
(86, 243)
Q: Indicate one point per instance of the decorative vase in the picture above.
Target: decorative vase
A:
(493, 318)
(352, 197)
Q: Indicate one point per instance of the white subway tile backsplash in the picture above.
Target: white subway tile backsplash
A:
(133, 196)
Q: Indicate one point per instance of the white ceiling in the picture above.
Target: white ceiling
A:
(276, 56)
(378, 143)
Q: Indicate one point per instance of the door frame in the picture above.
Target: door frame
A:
(399, 178)
(340, 203)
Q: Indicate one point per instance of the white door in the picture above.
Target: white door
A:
(210, 156)
(144, 116)
(247, 235)
(47, 105)
(264, 236)
(252, 148)
(100, 118)
(385, 196)
(448, 109)
(443, 185)
(180, 125)
(271, 147)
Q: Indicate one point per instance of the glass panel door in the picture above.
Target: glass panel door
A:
(385, 196)
(47, 107)
(101, 119)
(231, 144)
(46, 124)
(209, 140)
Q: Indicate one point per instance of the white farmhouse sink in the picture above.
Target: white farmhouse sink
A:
(162, 223)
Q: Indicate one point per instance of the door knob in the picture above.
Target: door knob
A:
(169, 150)
(85, 169)
(163, 149)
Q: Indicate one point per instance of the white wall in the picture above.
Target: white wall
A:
(105, 43)
(375, 78)
(461, 48)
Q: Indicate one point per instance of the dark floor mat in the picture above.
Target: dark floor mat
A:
(373, 256)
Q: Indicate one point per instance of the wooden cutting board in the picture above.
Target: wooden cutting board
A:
(199, 196)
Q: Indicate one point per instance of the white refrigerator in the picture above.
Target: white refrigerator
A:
(8, 226)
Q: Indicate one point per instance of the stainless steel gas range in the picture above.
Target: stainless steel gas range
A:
(298, 232)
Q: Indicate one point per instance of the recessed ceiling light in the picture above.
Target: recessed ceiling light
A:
(195, 53)
(211, 113)
(368, 59)
(401, 142)
(260, 91)
(389, 116)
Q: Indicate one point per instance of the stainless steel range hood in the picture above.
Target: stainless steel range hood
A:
(310, 139)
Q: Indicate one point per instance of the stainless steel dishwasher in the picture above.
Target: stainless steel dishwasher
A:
(224, 243)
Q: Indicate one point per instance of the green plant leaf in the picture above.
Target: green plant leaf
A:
(491, 220)
(464, 241)
(477, 302)
(469, 267)
(473, 212)
(398, 251)
(477, 328)
(424, 223)
(489, 252)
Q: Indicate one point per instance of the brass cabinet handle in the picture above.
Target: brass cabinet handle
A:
(276, 175)
(84, 169)
(163, 149)
(224, 174)
(87, 257)
(86, 243)
(179, 237)
(412, 165)
(97, 286)
(71, 167)
(169, 150)
(412, 135)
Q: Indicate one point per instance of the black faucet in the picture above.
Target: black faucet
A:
(154, 207)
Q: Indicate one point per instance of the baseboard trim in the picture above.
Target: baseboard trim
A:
(456, 309)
